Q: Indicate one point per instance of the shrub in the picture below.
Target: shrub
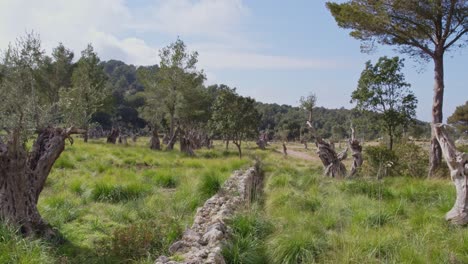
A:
(412, 160)
(381, 161)
(140, 240)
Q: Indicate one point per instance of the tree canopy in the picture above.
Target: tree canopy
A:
(382, 88)
(459, 119)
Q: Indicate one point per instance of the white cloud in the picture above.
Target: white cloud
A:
(256, 61)
(187, 17)
(216, 23)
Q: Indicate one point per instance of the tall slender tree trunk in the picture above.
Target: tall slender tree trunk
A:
(85, 136)
(437, 117)
(227, 143)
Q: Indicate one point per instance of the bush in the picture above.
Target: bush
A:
(140, 240)
(413, 160)
(381, 161)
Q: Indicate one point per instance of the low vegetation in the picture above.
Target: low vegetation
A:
(310, 218)
(114, 203)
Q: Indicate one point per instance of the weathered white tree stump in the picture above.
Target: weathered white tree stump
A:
(356, 149)
(458, 164)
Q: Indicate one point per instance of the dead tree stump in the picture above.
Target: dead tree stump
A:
(332, 161)
(155, 143)
(356, 149)
(458, 164)
(114, 134)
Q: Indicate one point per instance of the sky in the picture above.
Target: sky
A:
(272, 50)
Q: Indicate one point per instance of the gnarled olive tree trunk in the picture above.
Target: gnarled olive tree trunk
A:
(155, 143)
(172, 140)
(458, 165)
(114, 134)
(356, 149)
(22, 178)
(332, 161)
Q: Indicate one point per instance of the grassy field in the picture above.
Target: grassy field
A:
(115, 203)
(307, 218)
(127, 204)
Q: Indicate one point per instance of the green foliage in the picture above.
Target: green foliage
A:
(382, 88)
(175, 90)
(459, 119)
(380, 161)
(413, 26)
(88, 92)
(136, 241)
(412, 160)
(24, 107)
(234, 117)
(308, 103)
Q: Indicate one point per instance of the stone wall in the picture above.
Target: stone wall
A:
(202, 243)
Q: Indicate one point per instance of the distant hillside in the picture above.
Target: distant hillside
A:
(281, 121)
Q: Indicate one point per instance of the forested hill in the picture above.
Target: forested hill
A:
(286, 121)
(280, 121)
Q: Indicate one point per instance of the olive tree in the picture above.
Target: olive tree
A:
(235, 117)
(25, 117)
(88, 92)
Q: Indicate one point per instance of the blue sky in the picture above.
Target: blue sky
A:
(275, 51)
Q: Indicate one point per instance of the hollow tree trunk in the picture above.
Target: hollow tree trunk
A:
(172, 140)
(332, 162)
(435, 156)
(356, 149)
(22, 178)
(155, 143)
(186, 145)
(114, 134)
(458, 165)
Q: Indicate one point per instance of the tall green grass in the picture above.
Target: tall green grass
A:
(363, 220)
(115, 204)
